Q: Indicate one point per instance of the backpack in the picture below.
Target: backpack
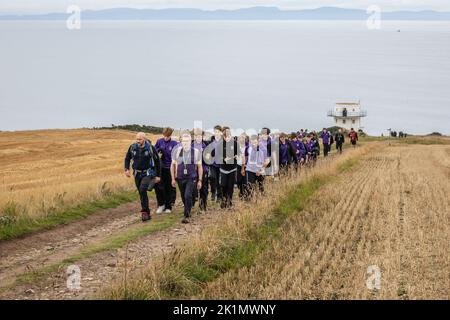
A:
(148, 148)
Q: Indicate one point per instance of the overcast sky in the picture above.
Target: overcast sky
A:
(44, 6)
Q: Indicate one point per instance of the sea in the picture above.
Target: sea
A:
(245, 74)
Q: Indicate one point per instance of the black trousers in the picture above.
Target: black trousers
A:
(214, 177)
(240, 181)
(339, 147)
(284, 169)
(165, 193)
(203, 201)
(295, 164)
(142, 181)
(326, 149)
(253, 183)
(186, 186)
(227, 181)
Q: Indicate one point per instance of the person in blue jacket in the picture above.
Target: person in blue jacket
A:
(146, 169)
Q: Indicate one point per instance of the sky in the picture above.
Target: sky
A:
(46, 6)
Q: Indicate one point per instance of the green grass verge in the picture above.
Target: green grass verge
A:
(187, 277)
(23, 226)
(158, 223)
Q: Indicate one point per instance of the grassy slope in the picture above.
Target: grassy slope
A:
(23, 226)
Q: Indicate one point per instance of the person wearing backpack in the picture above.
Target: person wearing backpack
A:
(146, 169)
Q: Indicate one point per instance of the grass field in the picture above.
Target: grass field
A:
(44, 173)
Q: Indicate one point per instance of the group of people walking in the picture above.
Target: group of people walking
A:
(205, 167)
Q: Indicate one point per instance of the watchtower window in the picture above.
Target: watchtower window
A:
(353, 121)
(343, 121)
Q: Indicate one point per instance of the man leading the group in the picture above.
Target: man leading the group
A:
(146, 169)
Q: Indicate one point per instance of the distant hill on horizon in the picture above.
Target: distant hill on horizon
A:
(253, 13)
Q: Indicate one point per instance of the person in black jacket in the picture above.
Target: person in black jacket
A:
(228, 167)
(146, 169)
(339, 139)
(285, 153)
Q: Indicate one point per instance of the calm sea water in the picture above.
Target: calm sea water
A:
(245, 74)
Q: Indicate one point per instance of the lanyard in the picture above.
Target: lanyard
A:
(184, 162)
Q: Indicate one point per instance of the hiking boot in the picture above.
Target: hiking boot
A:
(160, 209)
(167, 211)
(185, 220)
(145, 216)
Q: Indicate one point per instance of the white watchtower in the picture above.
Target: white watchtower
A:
(347, 115)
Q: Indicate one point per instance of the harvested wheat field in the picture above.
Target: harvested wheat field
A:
(391, 211)
(46, 170)
(43, 168)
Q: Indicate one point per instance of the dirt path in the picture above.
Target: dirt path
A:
(50, 248)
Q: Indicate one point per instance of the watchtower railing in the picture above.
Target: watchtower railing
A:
(348, 114)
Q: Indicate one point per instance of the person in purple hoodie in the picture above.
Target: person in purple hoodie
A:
(200, 145)
(326, 141)
(285, 154)
(165, 192)
(313, 149)
(296, 146)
